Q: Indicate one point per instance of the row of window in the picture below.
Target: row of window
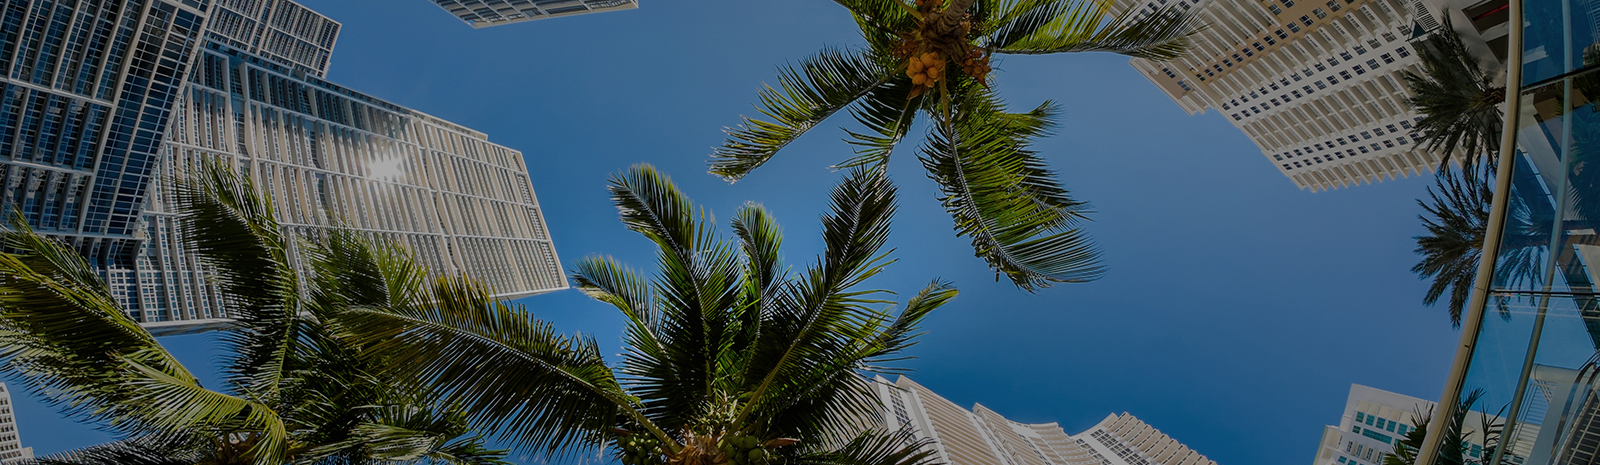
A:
(1307, 89)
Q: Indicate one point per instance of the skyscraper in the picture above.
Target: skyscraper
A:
(102, 110)
(982, 437)
(10, 442)
(1316, 84)
(485, 13)
(1374, 420)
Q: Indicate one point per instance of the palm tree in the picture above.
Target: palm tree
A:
(298, 392)
(934, 58)
(1454, 449)
(1458, 99)
(730, 356)
(1457, 212)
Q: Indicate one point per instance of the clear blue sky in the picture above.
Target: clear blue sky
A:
(1237, 312)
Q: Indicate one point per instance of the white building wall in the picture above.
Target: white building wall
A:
(486, 13)
(1315, 84)
(981, 436)
(10, 441)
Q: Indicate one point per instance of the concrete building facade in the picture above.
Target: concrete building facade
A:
(11, 449)
(486, 13)
(106, 101)
(1316, 84)
(980, 436)
(1374, 420)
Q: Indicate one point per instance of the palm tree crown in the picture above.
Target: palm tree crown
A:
(299, 393)
(730, 356)
(934, 57)
(1458, 99)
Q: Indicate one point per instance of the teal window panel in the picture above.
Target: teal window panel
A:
(1379, 436)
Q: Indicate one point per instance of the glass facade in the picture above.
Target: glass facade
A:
(1536, 364)
(104, 101)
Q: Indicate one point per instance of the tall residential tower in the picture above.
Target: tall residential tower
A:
(982, 437)
(11, 449)
(1316, 84)
(106, 101)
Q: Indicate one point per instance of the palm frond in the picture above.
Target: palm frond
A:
(510, 372)
(696, 289)
(128, 452)
(1002, 195)
(233, 228)
(822, 317)
(1459, 103)
(887, 112)
(760, 238)
(1081, 26)
(807, 94)
(873, 448)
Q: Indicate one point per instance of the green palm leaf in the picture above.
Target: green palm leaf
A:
(510, 373)
(1003, 197)
(1080, 26)
(818, 87)
(233, 228)
(1459, 102)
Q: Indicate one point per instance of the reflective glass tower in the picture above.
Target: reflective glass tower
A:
(1531, 336)
(106, 101)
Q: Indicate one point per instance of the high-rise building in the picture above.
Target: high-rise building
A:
(980, 436)
(11, 449)
(1375, 420)
(1316, 84)
(485, 13)
(106, 101)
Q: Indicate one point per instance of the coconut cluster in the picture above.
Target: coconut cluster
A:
(931, 45)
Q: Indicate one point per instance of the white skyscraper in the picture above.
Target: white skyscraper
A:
(485, 13)
(1374, 420)
(982, 437)
(1316, 84)
(10, 443)
(105, 101)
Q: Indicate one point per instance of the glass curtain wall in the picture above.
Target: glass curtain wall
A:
(1533, 382)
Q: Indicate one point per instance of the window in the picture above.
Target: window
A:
(1288, 3)
(1320, 68)
(1381, 423)
(1344, 74)
(1371, 42)
(1255, 111)
(1297, 152)
(1387, 58)
(1372, 64)
(1363, 149)
(1307, 89)
(1402, 51)
(1320, 14)
(1275, 9)
(1296, 93)
(1236, 117)
(1388, 143)
(1405, 124)
(1391, 425)
(1274, 102)
(1333, 5)
(1359, 51)
(1226, 62)
(1344, 55)
(1365, 135)
(1319, 147)
(1296, 164)
(1360, 70)
(1285, 166)
(1340, 140)
(1317, 159)
(1334, 80)
(1273, 86)
(1281, 35)
(1294, 27)
(1391, 128)
(1237, 58)
(1270, 41)
(1296, 77)
(1306, 20)
(1277, 157)
(1258, 47)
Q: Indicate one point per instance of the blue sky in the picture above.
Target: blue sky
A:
(1236, 314)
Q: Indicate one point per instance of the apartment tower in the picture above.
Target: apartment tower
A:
(11, 449)
(106, 101)
(980, 436)
(1316, 84)
(486, 13)
(1374, 420)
